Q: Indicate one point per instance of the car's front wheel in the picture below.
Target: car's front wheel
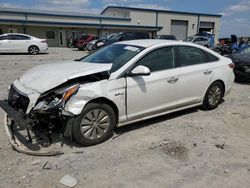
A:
(213, 96)
(94, 125)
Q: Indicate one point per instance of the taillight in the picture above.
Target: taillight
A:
(231, 65)
(44, 41)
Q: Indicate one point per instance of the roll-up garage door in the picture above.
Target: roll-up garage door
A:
(179, 29)
(206, 27)
(209, 25)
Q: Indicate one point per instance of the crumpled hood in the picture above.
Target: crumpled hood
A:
(45, 77)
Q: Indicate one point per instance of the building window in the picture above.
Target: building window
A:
(1, 31)
(50, 35)
(193, 25)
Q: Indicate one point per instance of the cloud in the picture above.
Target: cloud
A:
(242, 6)
(76, 6)
(150, 6)
(9, 5)
(238, 26)
(69, 2)
(135, 3)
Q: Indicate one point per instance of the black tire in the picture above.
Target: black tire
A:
(33, 50)
(218, 90)
(78, 129)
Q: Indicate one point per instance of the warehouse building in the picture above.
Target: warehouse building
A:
(57, 26)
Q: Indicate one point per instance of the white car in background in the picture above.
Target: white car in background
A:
(203, 41)
(122, 83)
(21, 43)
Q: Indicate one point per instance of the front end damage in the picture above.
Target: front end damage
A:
(33, 125)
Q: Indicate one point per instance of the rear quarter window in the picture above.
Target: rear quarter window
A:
(210, 57)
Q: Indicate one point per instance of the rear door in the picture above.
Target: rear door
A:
(194, 70)
(20, 43)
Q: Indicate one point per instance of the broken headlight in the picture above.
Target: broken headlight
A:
(56, 98)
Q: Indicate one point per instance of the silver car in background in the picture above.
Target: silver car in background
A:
(21, 43)
(203, 41)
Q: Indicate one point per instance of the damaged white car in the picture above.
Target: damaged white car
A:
(120, 84)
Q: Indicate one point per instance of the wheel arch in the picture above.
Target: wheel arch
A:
(109, 102)
(222, 83)
(33, 45)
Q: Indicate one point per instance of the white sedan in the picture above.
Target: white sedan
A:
(120, 84)
(20, 43)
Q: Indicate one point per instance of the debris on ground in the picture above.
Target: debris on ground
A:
(220, 146)
(173, 149)
(47, 166)
(36, 162)
(68, 181)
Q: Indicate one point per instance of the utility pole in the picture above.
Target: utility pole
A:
(124, 9)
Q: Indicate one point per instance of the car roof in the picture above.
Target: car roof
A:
(151, 42)
(199, 37)
(15, 34)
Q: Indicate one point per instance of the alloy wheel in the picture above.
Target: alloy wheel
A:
(214, 95)
(95, 124)
(34, 50)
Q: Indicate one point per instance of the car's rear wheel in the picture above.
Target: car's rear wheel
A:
(94, 125)
(33, 50)
(213, 96)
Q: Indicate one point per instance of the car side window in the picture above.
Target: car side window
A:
(187, 55)
(246, 50)
(19, 37)
(127, 36)
(197, 40)
(210, 57)
(142, 36)
(203, 39)
(158, 60)
(4, 38)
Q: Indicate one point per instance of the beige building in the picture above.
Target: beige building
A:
(57, 26)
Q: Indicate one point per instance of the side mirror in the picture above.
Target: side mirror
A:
(140, 71)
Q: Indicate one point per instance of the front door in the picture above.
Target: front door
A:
(148, 95)
(62, 38)
(6, 44)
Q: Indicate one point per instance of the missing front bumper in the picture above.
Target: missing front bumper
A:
(17, 140)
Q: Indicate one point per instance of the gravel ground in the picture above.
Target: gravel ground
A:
(190, 149)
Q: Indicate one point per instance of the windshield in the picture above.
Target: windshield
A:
(189, 39)
(115, 54)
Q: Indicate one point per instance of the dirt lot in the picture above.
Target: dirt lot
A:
(192, 148)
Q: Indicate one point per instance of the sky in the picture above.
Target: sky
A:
(235, 20)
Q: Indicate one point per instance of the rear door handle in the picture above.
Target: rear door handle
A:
(172, 80)
(207, 72)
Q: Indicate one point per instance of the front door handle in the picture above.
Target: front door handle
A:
(207, 72)
(172, 80)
